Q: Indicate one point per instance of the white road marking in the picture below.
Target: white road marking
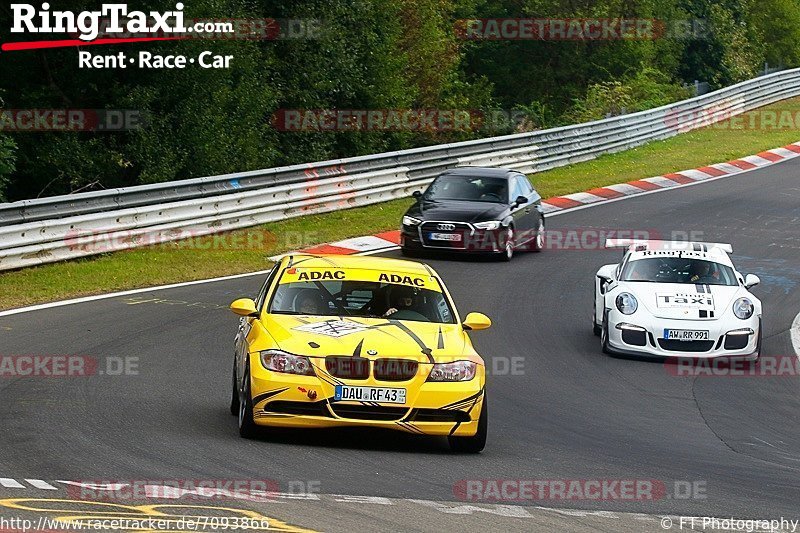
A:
(125, 293)
(727, 167)
(370, 242)
(783, 152)
(697, 175)
(625, 188)
(11, 483)
(511, 511)
(39, 484)
(756, 160)
(584, 197)
(661, 181)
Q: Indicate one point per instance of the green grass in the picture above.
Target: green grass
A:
(203, 258)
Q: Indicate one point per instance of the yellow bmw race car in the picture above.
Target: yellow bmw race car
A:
(336, 341)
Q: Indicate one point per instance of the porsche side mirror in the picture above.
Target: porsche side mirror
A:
(244, 307)
(751, 280)
(521, 200)
(476, 321)
(417, 194)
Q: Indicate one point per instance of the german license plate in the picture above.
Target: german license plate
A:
(685, 335)
(453, 237)
(369, 394)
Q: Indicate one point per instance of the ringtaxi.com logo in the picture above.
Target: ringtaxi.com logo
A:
(87, 24)
(66, 366)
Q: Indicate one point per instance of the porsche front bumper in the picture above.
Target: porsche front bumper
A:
(641, 334)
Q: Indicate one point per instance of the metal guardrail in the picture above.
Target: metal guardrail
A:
(64, 227)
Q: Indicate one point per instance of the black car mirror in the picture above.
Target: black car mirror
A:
(521, 200)
(417, 194)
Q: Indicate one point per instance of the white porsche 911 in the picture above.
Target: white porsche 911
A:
(676, 299)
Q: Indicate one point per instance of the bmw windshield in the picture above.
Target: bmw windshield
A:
(678, 270)
(361, 293)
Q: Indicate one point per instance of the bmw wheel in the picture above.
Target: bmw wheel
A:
(477, 442)
(234, 392)
(247, 428)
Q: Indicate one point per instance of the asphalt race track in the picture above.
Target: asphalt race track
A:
(569, 412)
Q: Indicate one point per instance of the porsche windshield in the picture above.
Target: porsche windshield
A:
(357, 298)
(468, 189)
(678, 270)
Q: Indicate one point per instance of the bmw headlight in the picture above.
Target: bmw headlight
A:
(457, 371)
(411, 221)
(492, 224)
(626, 303)
(287, 363)
(743, 308)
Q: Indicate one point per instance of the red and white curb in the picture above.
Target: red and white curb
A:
(675, 179)
(390, 240)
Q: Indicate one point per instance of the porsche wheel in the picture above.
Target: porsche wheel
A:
(597, 330)
(247, 428)
(604, 335)
(477, 442)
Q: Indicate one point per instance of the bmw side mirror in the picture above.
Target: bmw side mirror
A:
(751, 280)
(244, 307)
(417, 194)
(521, 200)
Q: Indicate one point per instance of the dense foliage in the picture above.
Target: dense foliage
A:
(367, 54)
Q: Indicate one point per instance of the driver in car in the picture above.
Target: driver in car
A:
(310, 302)
(701, 272)
(404, 305)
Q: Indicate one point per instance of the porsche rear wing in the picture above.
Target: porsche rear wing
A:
(641, 245)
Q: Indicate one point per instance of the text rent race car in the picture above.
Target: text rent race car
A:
(676, 299)
(358, 341)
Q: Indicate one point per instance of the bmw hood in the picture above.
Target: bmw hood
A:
(321, 336)
(684, 301)
(457, 211)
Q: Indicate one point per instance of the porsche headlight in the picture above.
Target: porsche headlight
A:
(492, 224)
(411, 221)
(743, 308)
(287, 363)
(626, 303)
(457, 371)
